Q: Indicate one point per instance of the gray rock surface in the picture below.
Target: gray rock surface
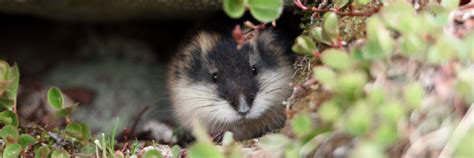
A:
(126, 78)
(113, 9)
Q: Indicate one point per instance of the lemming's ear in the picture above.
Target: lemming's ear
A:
(205, 41)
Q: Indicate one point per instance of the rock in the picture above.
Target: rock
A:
(113, 9)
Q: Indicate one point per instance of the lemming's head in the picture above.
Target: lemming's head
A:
(222, 85)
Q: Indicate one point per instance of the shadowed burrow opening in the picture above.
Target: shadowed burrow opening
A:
(115, 69)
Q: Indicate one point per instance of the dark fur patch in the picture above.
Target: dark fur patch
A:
(235, 75)
(197, 70)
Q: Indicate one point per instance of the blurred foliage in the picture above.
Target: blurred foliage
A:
(398, 84)
(368, 102)
(262, 10)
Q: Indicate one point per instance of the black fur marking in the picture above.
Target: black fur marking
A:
(197, 72)
(235, 73)
(267, 58)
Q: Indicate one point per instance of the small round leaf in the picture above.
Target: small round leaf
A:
(74, 130)
(414, 94)
(301, 124)
(176, 150)
(55, 98)
(10, 134)
(42, 152)
(273, 142)
(234, 8)
(12, 151)
(60, 153)
(329, 111)
(341, 3)
(358, 121)
(26, 140)
(304, 46)
(8, 118)
(266, 10)
(204, 150)
(330, 29)
(335, 58)
(325, 76)
(152, 154)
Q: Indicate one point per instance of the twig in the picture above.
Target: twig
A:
(138, 118)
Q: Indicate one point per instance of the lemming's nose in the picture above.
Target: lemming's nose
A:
(243, 107)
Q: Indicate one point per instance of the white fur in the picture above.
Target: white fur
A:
(273, 91)
(200, 100)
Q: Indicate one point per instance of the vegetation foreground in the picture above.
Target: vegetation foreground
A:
(374, 79)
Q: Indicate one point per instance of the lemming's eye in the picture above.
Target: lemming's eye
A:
(214, 77)
(254, 70)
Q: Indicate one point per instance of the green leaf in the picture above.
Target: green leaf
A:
(12, 151)
(42, 152)
(330, 29)
(414, 94)
(273, 142)
(351, 84)
(447, 48)
(412, 45)
(152, 154)
(234, 151)
(450, 4)
(10, 134)
(362, 2)
(465, 84)
(4, 68)
(14, 77)
(468, 40)
(74, 130)
(358, 120)
(386, 134)
(7, 103)
(266, 10)
(292, 151)
(341, 3)
(4, 71)
(235, 8)
(204, 150)
(392, 15)
(86, 131)
(55, 98)
(64, 112)
(176, 150)
(317, 33)
(304, 46)
(26, 140)
(301, 124)
(464, 148)
(200, 132)
(325, 75)
(8, 118)
(329, 111)
(377, 95)
(60, 153)
(380, 42)
(88, 149)
(336, 58)
(392, 112)
(78, 130)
